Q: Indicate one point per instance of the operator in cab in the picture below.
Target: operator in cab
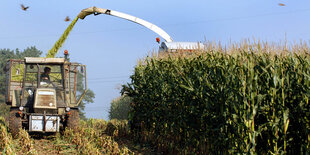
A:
(45, 76)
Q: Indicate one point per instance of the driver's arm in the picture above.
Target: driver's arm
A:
(46, 78)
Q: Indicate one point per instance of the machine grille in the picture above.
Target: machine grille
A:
(45, 98)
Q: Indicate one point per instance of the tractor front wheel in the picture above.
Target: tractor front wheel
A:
(15, 123)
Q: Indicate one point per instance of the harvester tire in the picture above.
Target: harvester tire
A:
(15, 123)
(73, 120)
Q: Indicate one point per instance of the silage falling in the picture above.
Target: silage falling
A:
(52, 52)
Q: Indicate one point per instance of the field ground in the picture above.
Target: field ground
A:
(48, 146)
(92, 138)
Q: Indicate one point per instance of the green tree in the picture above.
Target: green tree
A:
(120, 107)
(88, 98)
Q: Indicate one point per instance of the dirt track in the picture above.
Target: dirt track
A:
(46, 147)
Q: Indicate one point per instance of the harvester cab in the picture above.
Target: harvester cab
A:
(44, 94)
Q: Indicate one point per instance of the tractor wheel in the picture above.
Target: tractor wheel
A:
(73, 120)
(15, 123)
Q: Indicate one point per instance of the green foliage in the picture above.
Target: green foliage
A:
(120, 107)
(246, 102)
(4, 109)
(88, 98)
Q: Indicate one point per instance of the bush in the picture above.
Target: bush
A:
(119, 108)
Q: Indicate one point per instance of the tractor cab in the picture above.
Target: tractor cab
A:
(44, 92)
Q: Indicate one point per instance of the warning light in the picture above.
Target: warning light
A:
(157, 40)
(69, 113)
(66, 52)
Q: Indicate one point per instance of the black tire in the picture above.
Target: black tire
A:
(73, 120)
(15, 123)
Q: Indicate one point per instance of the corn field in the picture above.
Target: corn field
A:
(245, 98)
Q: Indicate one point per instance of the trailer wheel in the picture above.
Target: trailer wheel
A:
(15, 123)
(73, 120)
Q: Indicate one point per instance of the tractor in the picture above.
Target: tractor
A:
(44, 94)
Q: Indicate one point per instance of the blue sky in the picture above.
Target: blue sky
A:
(110, 46)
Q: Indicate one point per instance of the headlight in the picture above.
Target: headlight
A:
(68, 109)
(21, 108)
